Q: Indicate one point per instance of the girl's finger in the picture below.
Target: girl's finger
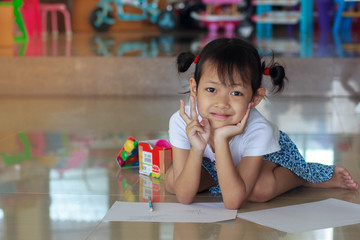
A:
(183, 115)
(205, 124)
(195, 129)
(193, 109)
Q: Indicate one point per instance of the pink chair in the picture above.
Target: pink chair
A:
(53, 8)
(31, 14)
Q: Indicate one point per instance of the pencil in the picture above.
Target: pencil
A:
(150, 205)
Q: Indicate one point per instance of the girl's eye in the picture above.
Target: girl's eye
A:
(236, 93)
(211, 90)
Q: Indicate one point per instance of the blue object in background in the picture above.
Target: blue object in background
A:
(342, 23)
(101, 18)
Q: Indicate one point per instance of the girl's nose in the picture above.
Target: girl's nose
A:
(222, 101)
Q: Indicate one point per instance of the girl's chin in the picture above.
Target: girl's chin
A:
(219, 124)
(216, 125)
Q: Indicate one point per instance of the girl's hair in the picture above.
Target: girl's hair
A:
(232, 57)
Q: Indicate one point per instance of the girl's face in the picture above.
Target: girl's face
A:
(221, 104)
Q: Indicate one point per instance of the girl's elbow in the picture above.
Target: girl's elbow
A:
(232, 206)
(185, 201)
(184, 197)
(233, 203)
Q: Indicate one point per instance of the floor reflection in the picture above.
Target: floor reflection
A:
(282, 42)
(67, 183)
(69, 155)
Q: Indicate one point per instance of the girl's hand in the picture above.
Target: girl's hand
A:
(197, 132)
(227, 132)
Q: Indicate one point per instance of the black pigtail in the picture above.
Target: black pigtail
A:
(184, 61)
(277, 75)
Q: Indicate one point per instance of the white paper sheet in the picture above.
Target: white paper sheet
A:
(306, 217)
(169, 212)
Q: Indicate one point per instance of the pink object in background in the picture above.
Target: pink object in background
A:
(220, 14)
(53, 8)
(163, 143)
(31, 14)
(37, 143)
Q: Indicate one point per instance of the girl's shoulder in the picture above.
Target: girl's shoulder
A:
(256, 117)
(177, 133)
(176, 119)
(260, 136)
(258, 124)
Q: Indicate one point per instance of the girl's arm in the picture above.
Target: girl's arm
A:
(187, 173)
(235, 183)
(187, 163)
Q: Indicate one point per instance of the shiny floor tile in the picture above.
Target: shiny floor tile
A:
(59, 177)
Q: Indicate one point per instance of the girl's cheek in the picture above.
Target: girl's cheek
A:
(202, 113)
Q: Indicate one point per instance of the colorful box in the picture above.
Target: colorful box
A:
(128, 155)
(155, 157)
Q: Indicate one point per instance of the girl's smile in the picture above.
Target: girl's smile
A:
(220, 116)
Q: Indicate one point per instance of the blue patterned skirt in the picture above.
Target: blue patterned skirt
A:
(288, 157)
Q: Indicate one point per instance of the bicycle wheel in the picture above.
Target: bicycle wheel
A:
(98, 22)
(166, 21)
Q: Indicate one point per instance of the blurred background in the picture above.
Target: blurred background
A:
(296, 28)
(78, 77)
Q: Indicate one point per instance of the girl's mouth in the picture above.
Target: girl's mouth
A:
(220, 116)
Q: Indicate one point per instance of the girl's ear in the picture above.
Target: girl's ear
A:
(193, 87)
(259, 95)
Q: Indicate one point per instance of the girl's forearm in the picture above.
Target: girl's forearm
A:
(232, 186)
(187, 183)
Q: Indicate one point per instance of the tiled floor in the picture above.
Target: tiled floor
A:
(58, 175)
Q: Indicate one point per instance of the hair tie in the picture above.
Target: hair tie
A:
(266, 71)
(196, 58)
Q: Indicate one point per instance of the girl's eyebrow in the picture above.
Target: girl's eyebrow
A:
(214, 82)
(238, 84)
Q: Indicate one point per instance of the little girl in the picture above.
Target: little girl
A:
(222, 143)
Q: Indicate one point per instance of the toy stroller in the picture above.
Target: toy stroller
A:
(220, 14)
(101, 18)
